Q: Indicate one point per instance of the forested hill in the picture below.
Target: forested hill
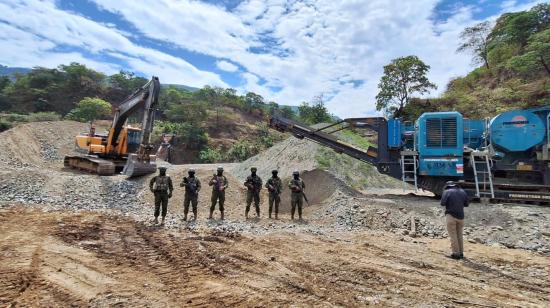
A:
(11, 71)
(514, 67)
(212, 124)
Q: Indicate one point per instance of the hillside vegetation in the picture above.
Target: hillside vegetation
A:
(514, 54)
(212, 124)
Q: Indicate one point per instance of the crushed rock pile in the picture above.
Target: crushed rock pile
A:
(303, 155)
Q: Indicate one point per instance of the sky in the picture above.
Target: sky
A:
(286, 51)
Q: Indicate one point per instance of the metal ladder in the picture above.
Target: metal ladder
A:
(482, 174)
(409, 162)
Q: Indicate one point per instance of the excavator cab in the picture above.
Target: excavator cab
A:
(134, 140)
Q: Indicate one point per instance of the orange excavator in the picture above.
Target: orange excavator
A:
(125, 149)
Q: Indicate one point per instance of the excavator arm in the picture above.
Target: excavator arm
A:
(145, 98)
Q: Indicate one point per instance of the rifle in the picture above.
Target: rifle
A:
(301, 190)
(305, 198)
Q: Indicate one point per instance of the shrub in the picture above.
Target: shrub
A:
(4, 125)
(43, 116)
(210, 155)
(241, 150)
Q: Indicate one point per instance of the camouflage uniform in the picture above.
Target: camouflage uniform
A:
(161, 186)
(254, 185)
(296, 186)
(274, 185)
(192, 187)
(219, 185)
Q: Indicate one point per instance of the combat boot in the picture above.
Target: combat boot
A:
(194, 215)
(185, 217)
(210, 216)
(246, 215)
(269, 215)
(276, 216)
(222, 215)
(156, 221)
(162, 221)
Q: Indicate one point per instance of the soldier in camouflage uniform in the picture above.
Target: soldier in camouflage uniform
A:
(192, 187)
(254, 185)
(161, 186)
(297, 187)
(219, 184)
(274, 185)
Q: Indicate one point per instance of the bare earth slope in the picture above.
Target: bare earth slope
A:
(78, 239)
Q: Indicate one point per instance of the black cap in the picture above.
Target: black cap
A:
(450, 184)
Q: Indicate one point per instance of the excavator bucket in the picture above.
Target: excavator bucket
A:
(136, 167)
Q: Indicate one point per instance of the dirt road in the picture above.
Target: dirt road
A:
(88, 259)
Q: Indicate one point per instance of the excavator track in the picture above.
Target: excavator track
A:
(91, 164)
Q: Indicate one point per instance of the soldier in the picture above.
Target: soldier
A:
(161, 186)
(219, 184)
(254, 185)
(274, 185)
(297, 187)
(192, 187)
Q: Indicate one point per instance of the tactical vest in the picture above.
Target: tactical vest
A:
(256, 182)
(298, 183)
(276, 184)
(192, 185)
(161, 183)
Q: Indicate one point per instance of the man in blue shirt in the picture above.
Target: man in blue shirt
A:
(454, 200)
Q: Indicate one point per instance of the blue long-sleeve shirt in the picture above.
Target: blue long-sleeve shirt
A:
(454, 200)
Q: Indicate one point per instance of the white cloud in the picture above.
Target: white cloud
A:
(227, 66)
(305, 48)
(42, 28)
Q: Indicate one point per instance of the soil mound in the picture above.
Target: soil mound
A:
(320, 186)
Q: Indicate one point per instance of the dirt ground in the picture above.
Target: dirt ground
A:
(72, 239)
(90, 259)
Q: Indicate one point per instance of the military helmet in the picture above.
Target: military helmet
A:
(191, 170)
(253, 169)
(296, 172)
(274, 171)
(162, 168)
(220, 168)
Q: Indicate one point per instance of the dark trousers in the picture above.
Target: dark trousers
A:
(217, 197)
(252, 195)
(161, 197)
(296, 201)
(274, 199)
(190, 200)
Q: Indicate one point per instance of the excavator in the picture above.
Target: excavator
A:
(125, 149)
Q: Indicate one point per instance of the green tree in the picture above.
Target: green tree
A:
(537, 55)
(287, 112)
(122, 84)
(5, 104)
(273, 108)
(402, 78)
(192, 112)
(314, 113)
(210, 155)
(253, 101)
(516, 28)
(474, 40)
(90, 109)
